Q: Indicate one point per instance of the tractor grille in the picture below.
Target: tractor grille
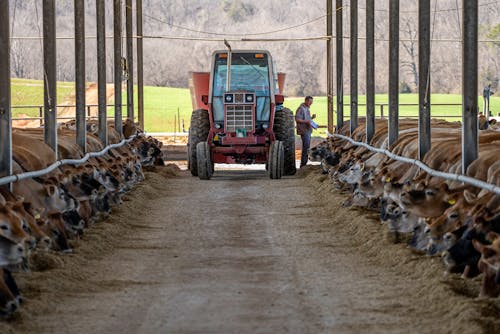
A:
(239, 117)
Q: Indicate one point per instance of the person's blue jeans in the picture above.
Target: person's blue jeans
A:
(306, 143)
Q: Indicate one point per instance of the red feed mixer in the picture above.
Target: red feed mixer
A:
(239, 115)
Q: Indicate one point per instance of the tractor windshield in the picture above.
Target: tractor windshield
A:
(249, 72)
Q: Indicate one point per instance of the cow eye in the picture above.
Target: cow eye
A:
(4, 227)
(454, 215)
(429, 192)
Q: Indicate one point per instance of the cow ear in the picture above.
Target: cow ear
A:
(444, 186)
(469, 196)
(2, 201)
(478, 246)
(19, 200)
(51, 190)
(487, 251)
(492, 236)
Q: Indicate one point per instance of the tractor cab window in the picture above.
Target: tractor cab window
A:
(249, 72)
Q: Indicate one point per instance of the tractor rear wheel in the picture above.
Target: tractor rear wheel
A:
(204, 161)
(198, 132)
(284, 130)
(276, 161)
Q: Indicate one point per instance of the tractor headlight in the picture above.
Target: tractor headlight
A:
(265, 126)
(249, 98)
(218, 125)
(229, 98)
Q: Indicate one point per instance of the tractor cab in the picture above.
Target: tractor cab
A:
(239, 117)
(250, 92)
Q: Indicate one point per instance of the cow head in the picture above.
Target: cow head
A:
(489, 265)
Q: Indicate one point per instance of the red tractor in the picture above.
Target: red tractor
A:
(239, 116)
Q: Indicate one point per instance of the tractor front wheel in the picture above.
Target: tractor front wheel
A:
(276, 163)
(204, 161)
(198, 132)
(284, 129)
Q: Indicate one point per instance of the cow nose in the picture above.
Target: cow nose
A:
(46, 242)
(404, 194)
(427, 230)
(447, 236)
(11, 307)
(31, 243)
(20, 249)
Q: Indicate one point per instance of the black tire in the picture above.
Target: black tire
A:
(198, 132)
(276, 161)
(284, 130)
(204, 161)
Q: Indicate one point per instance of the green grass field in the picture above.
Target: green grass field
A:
(166, 108)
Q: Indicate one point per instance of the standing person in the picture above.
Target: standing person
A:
(303, 119)
(486, 98)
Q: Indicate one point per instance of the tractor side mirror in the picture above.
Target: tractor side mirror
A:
(204, 99)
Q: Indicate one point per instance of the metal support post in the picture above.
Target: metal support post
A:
(393, 70)
(49, 78)
(340, 64)
(370, 69)
(5, 99)
(130, 60)
(101, 70)
(329, 73)
(470, 146)
(354, 65)
(117, 41)
(81, 127)
(424, 77)
(140, 64)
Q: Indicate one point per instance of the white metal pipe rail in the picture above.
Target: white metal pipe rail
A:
(18, 177)
(448, 176)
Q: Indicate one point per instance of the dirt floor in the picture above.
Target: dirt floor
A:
(244, 254)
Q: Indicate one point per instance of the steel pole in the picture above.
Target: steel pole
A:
(140, 65)
(370, 69)
(329, 74)
(130, 60)
(81, 127)
(5, 99)
(393, 70)
(470, 149)
(117, 43)
(354, 65)
(424, 77)
(49, 77)
(340, 63)
(101, 70)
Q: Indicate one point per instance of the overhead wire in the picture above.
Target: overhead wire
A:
(229, 34)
